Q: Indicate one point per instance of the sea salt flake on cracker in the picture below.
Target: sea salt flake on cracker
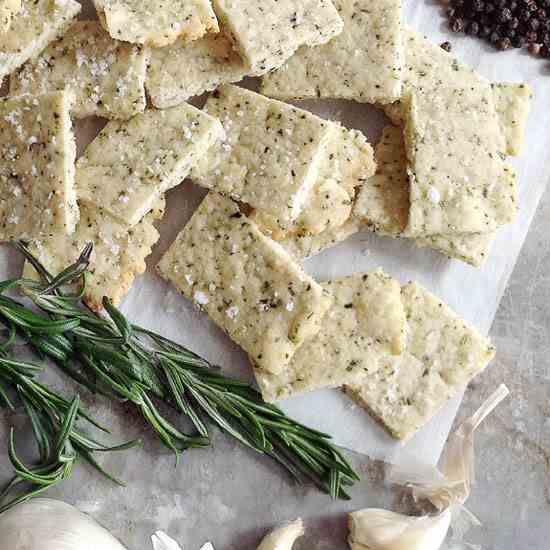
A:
(245, 282)
(442, 356)
(107, 77)
(37, 148)
(365, 322)
(186, 69)
(453, 144)
(129, 165)
(38, 23)
(156, 22)
(271, 157)
(118, 255)
(364, 63)
(267, 32)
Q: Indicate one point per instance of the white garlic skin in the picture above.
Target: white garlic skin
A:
(46, 524)
(376, 529)
(284, 537)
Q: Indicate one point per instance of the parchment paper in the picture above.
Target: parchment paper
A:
(473, 293)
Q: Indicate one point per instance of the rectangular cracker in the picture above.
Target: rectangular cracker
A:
(456, 174)
(118, 256)
(267, 32)
(186, 69)
(365, 322)
(383, 204)
(347, 163)
(157, 22)
(247, 283)
(364, 63)
(39, 23)
(513, 103)
(271, 156)
(107, 77)
(37, 148)
(129, 165)
(443, 354)
(8, 9)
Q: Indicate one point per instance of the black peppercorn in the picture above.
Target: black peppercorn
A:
(504, 15)
(447, 46)
(504, 44)
(472, 28)
(478, 5)
(534, 48)
(495, 37)
(513, 23)
(457, 24)
(534, 24)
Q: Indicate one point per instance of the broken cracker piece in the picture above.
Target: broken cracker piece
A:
(39, 23)
(456, 172)
(118, 255)
(156, 22)
(247, 283)
(106, 76)
(37, 148)
(271, 156)
(364, 63)
(186, 69)
(267, 32)
(129, 165)
(443, 354)
(365, 322)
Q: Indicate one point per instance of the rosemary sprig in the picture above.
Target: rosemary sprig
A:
(111, 355)
(53, 420)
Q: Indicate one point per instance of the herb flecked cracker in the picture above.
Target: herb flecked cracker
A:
(8, 9)
(267, 32)
(457, 176)
(37, 148)
(156, 22)
(365, 322)
(38, 23)
(246, 283)
(129, 165)
(365, 61)
(106, 76)
(186, 69)
(443, 354)
(271, 156)
(513, 103)
(383, 204)
(118, 255)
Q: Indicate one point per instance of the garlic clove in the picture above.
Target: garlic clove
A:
(376, 529)
(161, 541)
(284, 537)
(46, 524)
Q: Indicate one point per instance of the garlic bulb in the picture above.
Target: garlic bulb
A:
(376, 529)
(45, 524)
(161, 541)
(284, 537)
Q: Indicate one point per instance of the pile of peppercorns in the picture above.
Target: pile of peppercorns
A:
(504, 23)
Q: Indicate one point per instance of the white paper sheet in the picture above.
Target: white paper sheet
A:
(473, 293)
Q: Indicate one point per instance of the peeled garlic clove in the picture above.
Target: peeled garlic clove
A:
(376, 529)
(45, 524)
(161, 541)
(284, 537)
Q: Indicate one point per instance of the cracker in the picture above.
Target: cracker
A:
(513, 103)
(456, 174)
(8, 9)
(347, 163)
(118, 255)
(246, 282)
(443, 354)
(383, 204)
(157, 22)
(131, 164)
(365, 322)
(39, 23)
(364, 62)
(271, 157)
(267, 32)
(107, 77)
(37, 148)
(186, 69)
